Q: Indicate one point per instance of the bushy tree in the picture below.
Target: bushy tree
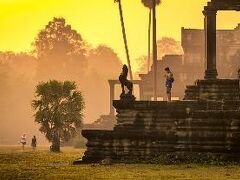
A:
(149, 3)
(58, 107)
(58, 38)
(142, 65)
(168, 45)
(4, 78)
(165, 46)
(21, 64)
(61, 51)
(102, 56)
(17, 72)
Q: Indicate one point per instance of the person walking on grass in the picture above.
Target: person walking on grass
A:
(34, 142)
(23, 141)
(169, 81)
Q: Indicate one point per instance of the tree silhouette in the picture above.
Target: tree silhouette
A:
(124, 37)
(60, 50)
(59, 109)
(58, 38)
(5, 71)
(168, 45)
(149, 5)
(101, 56)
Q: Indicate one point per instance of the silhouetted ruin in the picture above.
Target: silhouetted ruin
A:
(189, 67)
(205, 123)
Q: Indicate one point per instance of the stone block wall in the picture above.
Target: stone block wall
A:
(145, 129)
(218, 89)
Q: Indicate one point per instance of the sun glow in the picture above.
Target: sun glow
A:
(98, 22)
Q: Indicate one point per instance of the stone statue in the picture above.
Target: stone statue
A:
(124, 82)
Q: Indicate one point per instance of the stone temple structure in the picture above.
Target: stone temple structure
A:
(207, 121)
(189, 67)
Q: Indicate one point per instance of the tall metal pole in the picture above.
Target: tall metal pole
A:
(125, 38)
(154, 52)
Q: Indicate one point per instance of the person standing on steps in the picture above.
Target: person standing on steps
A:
(169, 81)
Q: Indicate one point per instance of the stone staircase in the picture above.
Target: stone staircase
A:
(219, 89)
(147, 129)
(206, 121)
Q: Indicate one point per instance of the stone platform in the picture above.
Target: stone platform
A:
(207, 121)
(146, 129)
(213, 89)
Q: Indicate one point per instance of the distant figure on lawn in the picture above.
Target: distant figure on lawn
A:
(34, 142)
(23, 140)
(169, 81)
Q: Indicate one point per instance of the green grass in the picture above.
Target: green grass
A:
(41, 164)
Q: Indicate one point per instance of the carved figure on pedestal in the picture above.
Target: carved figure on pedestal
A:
(125, 82)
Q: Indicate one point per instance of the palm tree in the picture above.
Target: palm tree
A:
(124, 37)
(59, 109)
(149, 4)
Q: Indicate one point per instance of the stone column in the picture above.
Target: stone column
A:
(210, 43)
(141, 97)
(112, 88)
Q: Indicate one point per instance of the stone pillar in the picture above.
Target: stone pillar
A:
(141, 97)
(112, 89)
(210, 43)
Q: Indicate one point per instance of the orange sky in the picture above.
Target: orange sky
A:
(98, 21)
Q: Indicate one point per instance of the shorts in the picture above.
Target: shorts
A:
(168, 90)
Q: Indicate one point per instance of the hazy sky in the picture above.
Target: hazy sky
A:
(98, 21)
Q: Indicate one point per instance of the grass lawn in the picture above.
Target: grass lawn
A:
(41, 164)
